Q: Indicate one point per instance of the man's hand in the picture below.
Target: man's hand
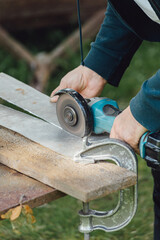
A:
(82, 79)
(126, 128)
(89, 84)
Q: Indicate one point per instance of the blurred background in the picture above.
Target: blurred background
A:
(39, 44)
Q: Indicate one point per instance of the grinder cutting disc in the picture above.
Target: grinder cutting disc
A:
(73, 113)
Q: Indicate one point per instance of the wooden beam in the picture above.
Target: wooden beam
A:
(41, 13)
(85, 182)
(16, 188)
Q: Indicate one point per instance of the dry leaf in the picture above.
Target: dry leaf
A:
(15, 213)
(29, 214)
(7, 214)
(27, 209)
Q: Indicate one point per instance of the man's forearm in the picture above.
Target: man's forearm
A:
(145, 107)
(113, 48)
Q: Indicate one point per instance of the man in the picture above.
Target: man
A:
(127, 23)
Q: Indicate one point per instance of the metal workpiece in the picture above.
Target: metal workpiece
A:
(117, 218)
(42, 125)
(28, 99)
(40, 131)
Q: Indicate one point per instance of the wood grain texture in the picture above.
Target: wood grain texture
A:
(85, 182)
(16, 188)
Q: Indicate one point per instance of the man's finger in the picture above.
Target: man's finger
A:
(54, 91)
(52, 97)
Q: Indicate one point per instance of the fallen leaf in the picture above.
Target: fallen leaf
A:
(27, 209)
(7, 214)
(15, 213)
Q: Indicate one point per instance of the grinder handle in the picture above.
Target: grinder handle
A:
(149, 147)
(142, 144)
(104, 112)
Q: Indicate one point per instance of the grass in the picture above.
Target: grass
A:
(59, 219)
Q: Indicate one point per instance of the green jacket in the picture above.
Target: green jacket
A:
(124, 28)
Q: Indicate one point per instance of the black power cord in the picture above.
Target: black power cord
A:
(80, 32)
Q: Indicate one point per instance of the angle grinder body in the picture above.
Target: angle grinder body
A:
(81, 117)
(104, 111)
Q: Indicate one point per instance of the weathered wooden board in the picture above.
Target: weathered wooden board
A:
(27, 14)
(49, 158)
(16, 188)
(85, 182)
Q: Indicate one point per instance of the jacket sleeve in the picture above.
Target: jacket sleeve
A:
(145, 106)
(113, 48)
(111, 54)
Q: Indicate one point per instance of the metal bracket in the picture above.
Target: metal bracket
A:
(115, 219)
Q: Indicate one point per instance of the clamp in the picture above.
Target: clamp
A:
(117, 218)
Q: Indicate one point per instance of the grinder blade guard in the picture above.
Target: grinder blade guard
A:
(73, 113)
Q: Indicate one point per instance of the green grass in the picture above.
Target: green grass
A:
(59, 219)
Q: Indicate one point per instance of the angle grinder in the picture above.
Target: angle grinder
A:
(81, 117)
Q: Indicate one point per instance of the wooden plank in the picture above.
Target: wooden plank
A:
(16, 188)
(85, 182)
(41, 13)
